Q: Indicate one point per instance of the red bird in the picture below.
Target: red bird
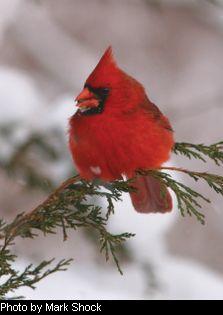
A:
(117, 130)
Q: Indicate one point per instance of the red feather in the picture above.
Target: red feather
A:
(129, 134)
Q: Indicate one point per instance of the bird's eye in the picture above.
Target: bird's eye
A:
(105, 91)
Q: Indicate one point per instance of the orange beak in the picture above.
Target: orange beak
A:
(86, 99)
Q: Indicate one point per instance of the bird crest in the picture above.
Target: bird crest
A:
(105, 71)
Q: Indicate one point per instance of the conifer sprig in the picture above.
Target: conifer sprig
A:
(30, 276)
(188, 199)
(70, 207)
(201, 151)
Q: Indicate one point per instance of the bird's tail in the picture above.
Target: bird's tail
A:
(151, 195)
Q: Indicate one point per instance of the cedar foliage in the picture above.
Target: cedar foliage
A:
(70, 207)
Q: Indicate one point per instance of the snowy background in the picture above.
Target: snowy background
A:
(175, 48)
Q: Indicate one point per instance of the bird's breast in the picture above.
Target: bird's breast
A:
(118, 144)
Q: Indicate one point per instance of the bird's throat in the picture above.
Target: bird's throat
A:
(92, 110)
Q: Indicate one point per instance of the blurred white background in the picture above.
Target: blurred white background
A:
(175, 48)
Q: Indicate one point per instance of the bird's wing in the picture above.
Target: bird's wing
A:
(157, 115)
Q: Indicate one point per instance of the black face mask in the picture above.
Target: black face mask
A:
(101, 94)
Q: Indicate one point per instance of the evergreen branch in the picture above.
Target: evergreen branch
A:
(30, 276)
(67, 208)
(187, 198)
(214, 181)
(201, 151)
(109, 244)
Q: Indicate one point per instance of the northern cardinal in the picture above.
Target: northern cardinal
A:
(118, 130)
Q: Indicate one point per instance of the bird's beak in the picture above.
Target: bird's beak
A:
(86, 99)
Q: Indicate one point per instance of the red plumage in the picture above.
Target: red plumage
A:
(127, 133)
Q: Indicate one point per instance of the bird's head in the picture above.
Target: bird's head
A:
(109, 88)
